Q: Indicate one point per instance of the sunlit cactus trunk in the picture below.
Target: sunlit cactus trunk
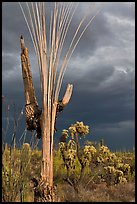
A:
(48, 55)
(45, 121)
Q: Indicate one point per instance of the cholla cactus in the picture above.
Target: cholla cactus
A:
(110, 169)
(65, 132)
(118, 173)
(68, 152)
(112, 157)
(90, 149)
(88, 153)
(114, 176)
(104, 155)
(81, 128)
(71, 144)
(114, 171)
(104, 149)
(122, 179)
(72, 130)
(72, 154)
(78, 128)
(62, 146)
(64, 135)
(70, 158)
(124, 167)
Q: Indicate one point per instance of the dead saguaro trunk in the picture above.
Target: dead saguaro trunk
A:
(52, 72)
(44, 125)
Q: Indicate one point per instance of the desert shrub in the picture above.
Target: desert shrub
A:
(15, 173)
(78, 169)
(10, 174)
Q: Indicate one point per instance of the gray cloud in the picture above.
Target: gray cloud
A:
(102, 70)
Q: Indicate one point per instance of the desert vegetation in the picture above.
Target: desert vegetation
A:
(82, 173)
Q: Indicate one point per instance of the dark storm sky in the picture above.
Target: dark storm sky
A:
(102, 71)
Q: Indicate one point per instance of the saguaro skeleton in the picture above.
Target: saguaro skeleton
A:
(32, 110)
(51, 74)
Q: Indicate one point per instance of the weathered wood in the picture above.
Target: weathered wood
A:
(33, 112)
(31, 105)
(67, 95)
(44, 123)
(62, 103)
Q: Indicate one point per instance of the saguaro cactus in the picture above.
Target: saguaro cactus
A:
(32, 110)
(48, 55)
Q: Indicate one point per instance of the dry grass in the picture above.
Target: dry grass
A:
(94, 193)
(98, 193)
